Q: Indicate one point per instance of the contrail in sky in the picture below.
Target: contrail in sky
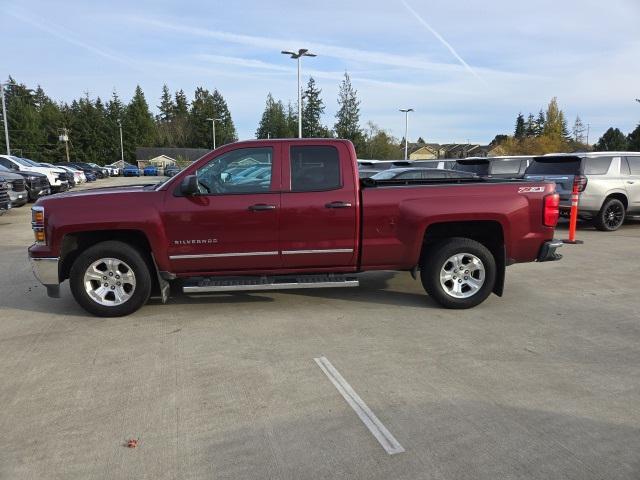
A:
(441, 39)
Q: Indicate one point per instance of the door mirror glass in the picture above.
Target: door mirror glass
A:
(189, 185)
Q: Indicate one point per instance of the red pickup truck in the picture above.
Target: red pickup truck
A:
(276, 214)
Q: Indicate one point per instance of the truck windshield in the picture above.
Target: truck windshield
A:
(554, 166)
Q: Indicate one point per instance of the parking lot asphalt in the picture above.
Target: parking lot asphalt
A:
(543, 383)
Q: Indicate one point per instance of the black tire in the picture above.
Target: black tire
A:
(611, 216)
(435, 260)
(120, 251)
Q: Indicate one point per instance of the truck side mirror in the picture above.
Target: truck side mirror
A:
(189, 185)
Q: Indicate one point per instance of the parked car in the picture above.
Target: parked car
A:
(17, 187)
(150, 171)
(608, 184)
(36, 184)
(114, 170)
(78, 175)
(321, 228)
(130, 171)
(105, 170)
(86, 168)
(70, 176)
(171, 170)
(57, 177)
(5, 200)
(494, 167)
(420, 174)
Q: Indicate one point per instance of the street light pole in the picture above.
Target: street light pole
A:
(121, 143)
(213, 126)
(4, 119)
(303, 52)
(406, 129)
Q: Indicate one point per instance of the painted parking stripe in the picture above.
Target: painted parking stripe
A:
(375, 426)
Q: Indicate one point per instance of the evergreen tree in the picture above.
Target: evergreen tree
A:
(199, 127)
(633, 140)
(291, 121)
(225, 128)
(313, 108)
(612, 140)
(23, 121)
(139, 125)
(273, 123)
(167, 107)
(520, 130)
(538, 124)
(530, 126)
(348, 115)
(114, 113)
(180, 134)
(420, 141)
(554, 121)
(578, 130)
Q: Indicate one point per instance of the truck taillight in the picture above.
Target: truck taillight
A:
(551, 210)
(37, 224)
(580, 183)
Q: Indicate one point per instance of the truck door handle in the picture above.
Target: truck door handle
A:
(258, 207)
(338, 205)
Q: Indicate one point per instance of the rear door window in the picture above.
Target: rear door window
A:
(624, 166)
(315, 168)
(554, 166)
(634, 165)
(505, 166)
(597, 166)
(479, 168)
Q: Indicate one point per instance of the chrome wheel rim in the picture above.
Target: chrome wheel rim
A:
(462, 275)
(109, 282)
(613, 216)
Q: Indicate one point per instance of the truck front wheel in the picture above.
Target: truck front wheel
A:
(110, 279)
(458, 273)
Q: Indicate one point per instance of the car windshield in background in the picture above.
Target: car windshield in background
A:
(554, 166)
(479, 168)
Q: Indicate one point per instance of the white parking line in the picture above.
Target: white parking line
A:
(375, 426)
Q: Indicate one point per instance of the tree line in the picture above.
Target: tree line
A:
(35, 123)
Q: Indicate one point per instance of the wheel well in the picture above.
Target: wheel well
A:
(74, 244)
(487, 232)
(619, 196)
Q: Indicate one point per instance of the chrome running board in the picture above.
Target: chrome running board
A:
(284, 282)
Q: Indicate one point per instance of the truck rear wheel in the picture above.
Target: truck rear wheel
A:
(110, 279)
(458, 273)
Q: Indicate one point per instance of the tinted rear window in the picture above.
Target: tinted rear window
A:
(554, 166)
(505, 166)
(597, 166)
(480, 168)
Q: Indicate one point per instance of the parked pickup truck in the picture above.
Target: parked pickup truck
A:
(276, 214)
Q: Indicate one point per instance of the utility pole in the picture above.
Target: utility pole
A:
(4, 118)
(121, 143)
(64, 137)
(588, 127)
(406, 129)
(303, 52)
(213, 126)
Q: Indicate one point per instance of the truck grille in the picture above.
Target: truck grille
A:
(18, 185)
(4, 197)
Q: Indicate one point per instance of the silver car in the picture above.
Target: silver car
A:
(608, 184)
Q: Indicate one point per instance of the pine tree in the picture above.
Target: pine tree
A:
(199, 127)
(530, 126)
(348, 116)
(167, 107)
(291, 121)
(23, 121)
(520, 130)
(225, 128)
(114, 114)
(273, 123)
(420, 141)
(578, 130)
(633, 140)
(612, 140)
(539, 123)
(139, 125)
(313, 108)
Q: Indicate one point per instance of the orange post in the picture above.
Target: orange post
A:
(573, 219)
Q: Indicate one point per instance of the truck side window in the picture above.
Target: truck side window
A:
(247, 170)
(597, 166)
(315, 168)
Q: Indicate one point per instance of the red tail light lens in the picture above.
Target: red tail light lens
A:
(551, 210)
(580, 181)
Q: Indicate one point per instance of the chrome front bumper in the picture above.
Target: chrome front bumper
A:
(46, 271)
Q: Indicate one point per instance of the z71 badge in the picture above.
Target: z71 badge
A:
(530, 189)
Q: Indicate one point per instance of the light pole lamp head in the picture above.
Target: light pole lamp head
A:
(303, 52)
(406, 110)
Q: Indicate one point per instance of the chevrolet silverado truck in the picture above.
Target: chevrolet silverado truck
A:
(283, 214)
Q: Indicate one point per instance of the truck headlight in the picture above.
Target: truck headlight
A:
(37, 224)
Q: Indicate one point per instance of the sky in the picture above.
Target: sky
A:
(467, 68)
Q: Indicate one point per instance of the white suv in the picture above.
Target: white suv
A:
(608, 184)
(57, 177)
